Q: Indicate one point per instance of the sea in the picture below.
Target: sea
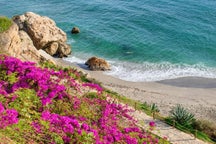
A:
(143, 40)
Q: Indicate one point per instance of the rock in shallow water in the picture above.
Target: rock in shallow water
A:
(97, 64)
(75, 30)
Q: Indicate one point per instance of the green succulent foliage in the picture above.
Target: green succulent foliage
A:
(91, 95)
(5, 23)
(18, 132)
(57, 138)
(181, 115)
(23, 133)
(62, 107)
(27, 103)
(84, 138)
(10, 78)
(49, 65)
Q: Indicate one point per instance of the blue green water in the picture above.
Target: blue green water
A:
(144, 40)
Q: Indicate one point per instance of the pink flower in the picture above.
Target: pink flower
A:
(36, 126)
(7, 117)
(66, 139)
(1, 108)
(50, 86)
(85, 126)
(152, 124)
(94, 86)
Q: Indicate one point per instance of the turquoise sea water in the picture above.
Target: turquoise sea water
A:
(144, 40)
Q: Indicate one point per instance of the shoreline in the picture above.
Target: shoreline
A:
(196, 94)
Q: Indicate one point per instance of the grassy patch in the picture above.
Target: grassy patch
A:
(200, 134)
(206, 127)
(5, 23)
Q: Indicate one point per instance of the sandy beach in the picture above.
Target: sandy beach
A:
(198, 95)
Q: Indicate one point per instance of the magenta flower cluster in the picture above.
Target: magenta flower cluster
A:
(7, 116)
(93, 86)
(110, 123)
(29, 76)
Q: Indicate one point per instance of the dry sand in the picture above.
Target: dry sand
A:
(198, 95)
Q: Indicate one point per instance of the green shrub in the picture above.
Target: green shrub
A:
(145, 106)
(180, 115)
(154, 108)
(5, 23)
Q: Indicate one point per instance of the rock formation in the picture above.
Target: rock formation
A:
(28, 50)
(75, 30)
(18, 44)
(34, 38)
(10, 41)
(51, 48)
(44, 33)
(97, 64)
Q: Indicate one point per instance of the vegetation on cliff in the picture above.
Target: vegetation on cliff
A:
(53, 105)
(5, 23)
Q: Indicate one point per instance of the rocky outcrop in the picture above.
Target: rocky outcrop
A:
(28, 50)
(18, 44)
(10, 41)
(51, 48)
(44, 33)
(75, 30)
(97, 64)
(34, 38)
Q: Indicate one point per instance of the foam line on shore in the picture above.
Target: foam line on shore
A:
(148, 72)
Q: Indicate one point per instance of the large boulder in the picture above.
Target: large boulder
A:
(42, 30)
(10, 42)
(63, 50)
(51, 47)
(28, 50)
(97, 64)
(58, 49)
(18, 44)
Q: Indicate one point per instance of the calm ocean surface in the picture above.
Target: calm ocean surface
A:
(144, 40)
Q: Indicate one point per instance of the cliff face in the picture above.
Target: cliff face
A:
(30, 34)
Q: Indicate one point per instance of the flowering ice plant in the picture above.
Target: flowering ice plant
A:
(50, 106)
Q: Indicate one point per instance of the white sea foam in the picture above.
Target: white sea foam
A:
(74, 59)
(146, 72)
(71, 41)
